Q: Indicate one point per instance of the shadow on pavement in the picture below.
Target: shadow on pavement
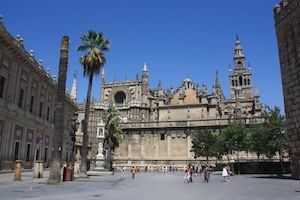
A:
(273, 177)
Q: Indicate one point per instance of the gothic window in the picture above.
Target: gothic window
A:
(162, 136)
(120, 97)
(249, 83)
(236, 83)
(245, 81)
(232, 82)
(241, 81)
(239, 64)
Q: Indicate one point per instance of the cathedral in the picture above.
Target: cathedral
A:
(158, 124)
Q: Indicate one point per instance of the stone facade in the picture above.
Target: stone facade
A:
(287, 21)
(27, 100)
(158, 123)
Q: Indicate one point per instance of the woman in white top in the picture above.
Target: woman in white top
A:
(225, 174)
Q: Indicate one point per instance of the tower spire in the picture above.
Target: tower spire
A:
(74, 89)
(238, 57)
(145, 67)
(160, 85)
(217, 83)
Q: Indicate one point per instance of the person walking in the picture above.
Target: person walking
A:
(191, 169)
(225, 174)
(133, 171)
(206, 173)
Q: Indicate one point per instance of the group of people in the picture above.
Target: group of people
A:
(206, 170)
(190, 171)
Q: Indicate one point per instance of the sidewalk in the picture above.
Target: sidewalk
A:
(8, 178)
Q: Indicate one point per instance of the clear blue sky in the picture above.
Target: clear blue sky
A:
(175, 38)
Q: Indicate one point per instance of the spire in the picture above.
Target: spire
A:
(145, 67)
(137, 76)
(238, 50)
(217, 83)
(160, 85)
(74, 89)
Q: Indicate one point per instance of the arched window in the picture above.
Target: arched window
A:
(241, 81)
(239, 64)
(120, 97)
(232, 82)
(245, 81)
(236, 83)
(249, 83)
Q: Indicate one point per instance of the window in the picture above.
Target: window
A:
(46, 152)
(28, 152)
(17, 147)
(120, 97)
(241, 81)
(31, 104)
(239, 64)
(41, 109)
(48, 113)
(2, 84)
(249, 83)
(21, 97)
(232, 82)
(162, 136)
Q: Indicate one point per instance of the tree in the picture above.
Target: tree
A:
(113, 130)
(277, 135)
(234, 138)
(257, 140)
(57, 143)
(204, 144)
(94, 45)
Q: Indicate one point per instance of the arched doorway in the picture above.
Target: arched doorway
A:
(120, 97)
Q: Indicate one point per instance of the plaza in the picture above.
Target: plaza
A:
(152, 185)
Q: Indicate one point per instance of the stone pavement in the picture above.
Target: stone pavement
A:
(152, 186)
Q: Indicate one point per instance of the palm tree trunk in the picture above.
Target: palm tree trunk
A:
(57, 141)
(109, 156)
(83, 166)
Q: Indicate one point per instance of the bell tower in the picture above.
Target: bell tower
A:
(240, 77)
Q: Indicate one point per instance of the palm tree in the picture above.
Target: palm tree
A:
(113, 129)
(57, 141)
(94, 45)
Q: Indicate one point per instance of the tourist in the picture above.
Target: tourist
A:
(186, 176)
(133, 171)
(190, 171)
(225, 174)
(206, 173)
(146, 169)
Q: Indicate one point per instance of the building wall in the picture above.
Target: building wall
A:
(27, 98)
(287, 21)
